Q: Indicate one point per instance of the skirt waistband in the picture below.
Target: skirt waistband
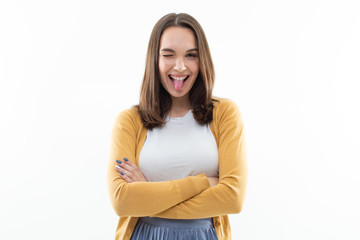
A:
(202, 223)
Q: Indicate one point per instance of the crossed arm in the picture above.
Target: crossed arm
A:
(143, 198)
(191, 197)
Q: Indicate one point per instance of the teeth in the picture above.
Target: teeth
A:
(178, 78)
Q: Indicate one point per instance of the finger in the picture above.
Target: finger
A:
(130, 162)
(134, 174)
(133, 168)
(123, 174)
(129, 174)
(126, 178)
(124, 165)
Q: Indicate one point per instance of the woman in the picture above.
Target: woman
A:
(178, 159)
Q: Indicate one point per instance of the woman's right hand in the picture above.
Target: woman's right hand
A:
(213, 181)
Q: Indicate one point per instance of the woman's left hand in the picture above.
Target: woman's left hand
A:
(129, 171)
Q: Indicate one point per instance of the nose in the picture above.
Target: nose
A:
(179, 65)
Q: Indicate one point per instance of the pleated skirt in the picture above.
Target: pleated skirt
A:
(154, 228)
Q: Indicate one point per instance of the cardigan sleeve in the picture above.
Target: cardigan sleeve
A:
(228, 195)
(143, 198)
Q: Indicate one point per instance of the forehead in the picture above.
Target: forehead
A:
(178, 38)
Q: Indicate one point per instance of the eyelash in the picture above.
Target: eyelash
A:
(190, 55)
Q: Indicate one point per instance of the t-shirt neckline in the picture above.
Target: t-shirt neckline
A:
(187, 115)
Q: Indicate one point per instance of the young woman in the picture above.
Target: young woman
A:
(178, 159)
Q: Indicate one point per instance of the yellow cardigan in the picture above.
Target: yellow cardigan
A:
(187, 198)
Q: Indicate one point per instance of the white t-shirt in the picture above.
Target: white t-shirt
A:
(181, 148)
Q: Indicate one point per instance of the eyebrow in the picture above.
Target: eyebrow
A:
(171, 50)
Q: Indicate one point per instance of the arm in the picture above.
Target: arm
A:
(143, 198)
(226, 197)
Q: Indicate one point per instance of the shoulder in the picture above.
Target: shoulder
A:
(225, 108)
(226, 118)
(223, 102)
(129, 117)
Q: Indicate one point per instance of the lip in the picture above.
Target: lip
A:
(179, 75)
(173, 84)
(186, 77)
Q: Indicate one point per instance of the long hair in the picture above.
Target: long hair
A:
(155, 102)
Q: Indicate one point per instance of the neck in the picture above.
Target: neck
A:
(180, 105)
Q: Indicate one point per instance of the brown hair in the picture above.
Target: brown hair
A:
(155, 101)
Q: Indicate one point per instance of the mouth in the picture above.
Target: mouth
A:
(183, 78)
(178, 82)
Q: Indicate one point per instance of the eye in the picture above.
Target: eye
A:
(192, 55)
(167, 55)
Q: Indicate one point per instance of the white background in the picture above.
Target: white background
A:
(67, 68)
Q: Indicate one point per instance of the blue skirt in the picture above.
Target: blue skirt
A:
(154, 228)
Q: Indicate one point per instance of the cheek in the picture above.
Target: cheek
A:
(163, 68)
(194, 67)
(165, 65)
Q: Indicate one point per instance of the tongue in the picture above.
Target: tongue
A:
(178, 84)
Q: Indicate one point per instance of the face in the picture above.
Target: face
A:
(178, 61)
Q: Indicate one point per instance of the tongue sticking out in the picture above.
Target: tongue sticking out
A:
(178, 84)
